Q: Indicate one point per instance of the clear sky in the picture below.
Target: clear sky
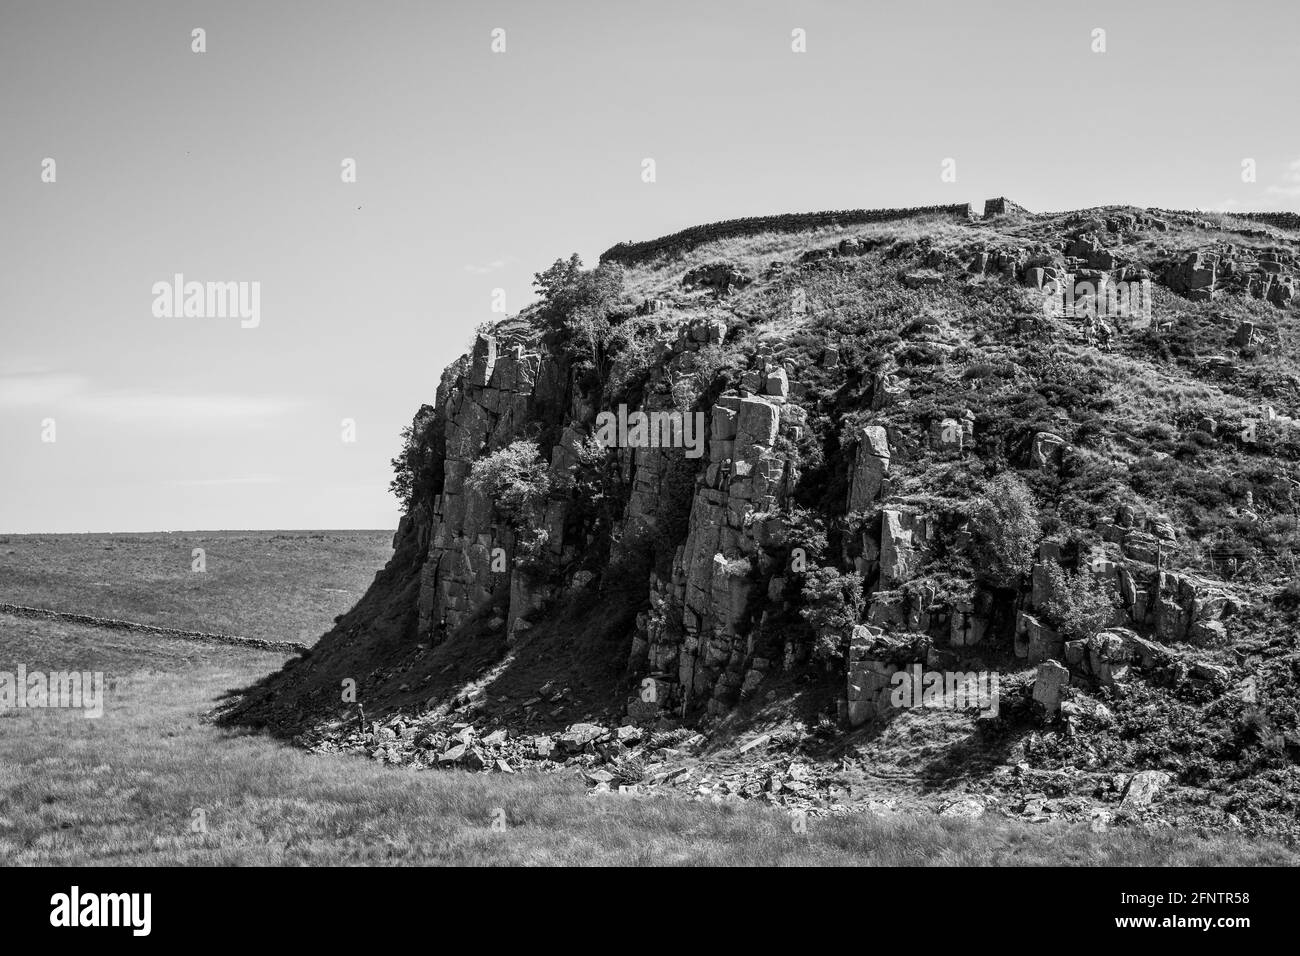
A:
(476, 169)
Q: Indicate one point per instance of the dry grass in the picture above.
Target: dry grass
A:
(754, 253)
(124, 790)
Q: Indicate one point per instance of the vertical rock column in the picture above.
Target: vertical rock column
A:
(484, 408)
(715, 567)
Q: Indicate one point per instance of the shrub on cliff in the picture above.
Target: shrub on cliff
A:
(514, 478)
(799, 528)
(412, 468)
(1080, 604)
(576, 303)
(1004, 530)
(631, 353)
(832, 605)
(701, 369)
(568, 291)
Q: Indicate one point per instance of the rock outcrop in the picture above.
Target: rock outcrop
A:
(804, 511)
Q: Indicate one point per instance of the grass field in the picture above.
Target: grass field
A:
(274, 585)
(129, 787)
(125, 789)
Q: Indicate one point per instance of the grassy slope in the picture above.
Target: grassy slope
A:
(123, 789)
(267, 584)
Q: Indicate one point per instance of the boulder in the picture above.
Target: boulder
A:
(1210, 673)
(578, 737)
(453, 754)
(1143, 788)
(1108, 654)
(1146, 653)
(776, 383)
(1050, 680)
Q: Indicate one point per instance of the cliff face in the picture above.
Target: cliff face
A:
(694, 634)
(1054, 448)
(506, 387)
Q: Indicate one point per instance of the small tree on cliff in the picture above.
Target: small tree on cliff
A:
(1078, 604)
(566, 289)
(832, 605)
(576, 303)
(1004, 530)
(514, 478)
(412, 477)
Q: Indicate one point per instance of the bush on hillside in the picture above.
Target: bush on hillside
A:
(1004, 530)
(1080, 604)
(832, 605)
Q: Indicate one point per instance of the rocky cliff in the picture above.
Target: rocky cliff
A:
(1051, 448)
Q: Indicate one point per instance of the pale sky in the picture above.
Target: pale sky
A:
(476, 169)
